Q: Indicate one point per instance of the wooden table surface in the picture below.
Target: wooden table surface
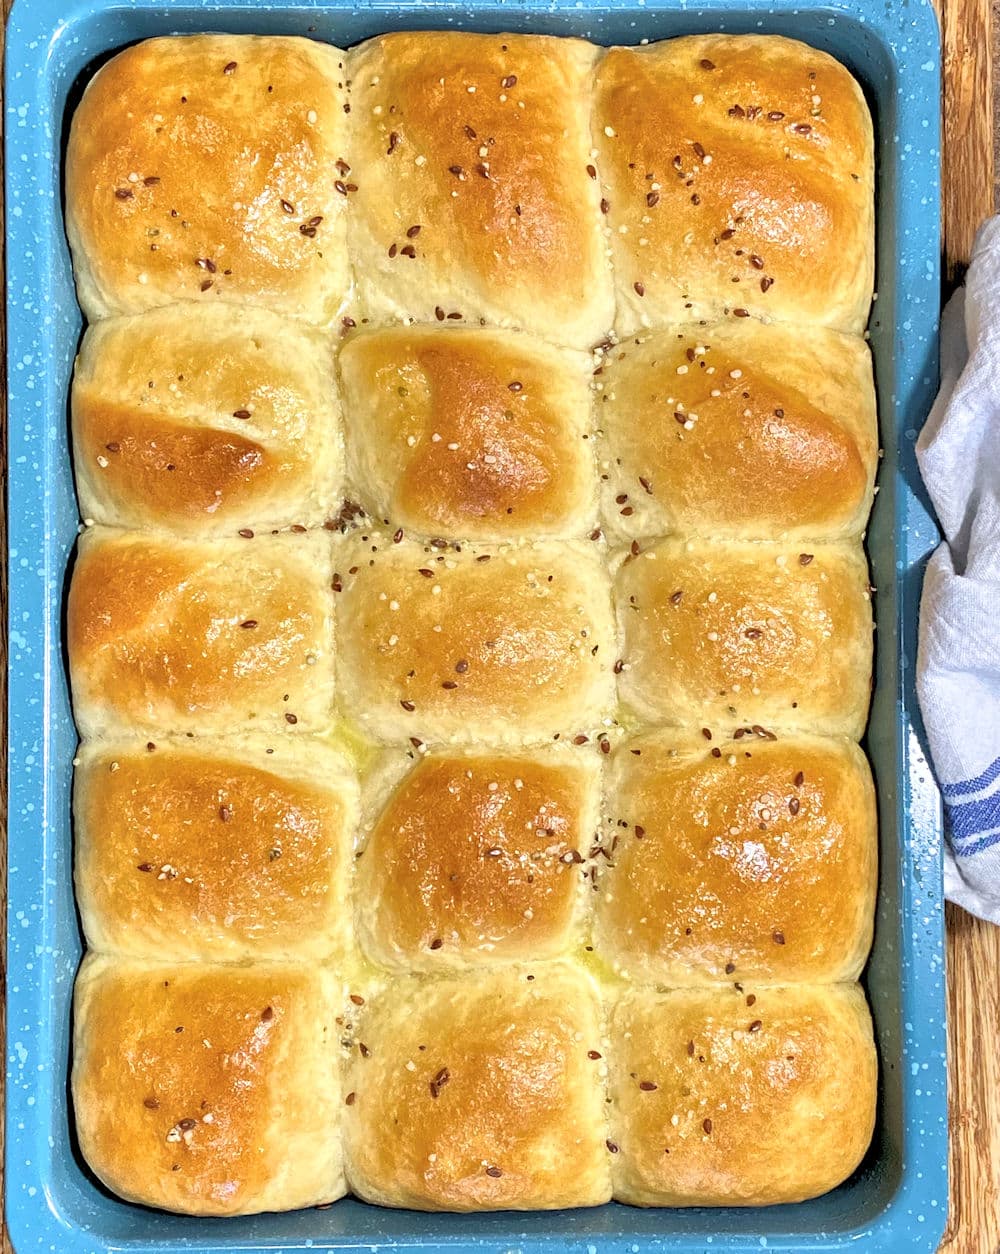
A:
(971, 34)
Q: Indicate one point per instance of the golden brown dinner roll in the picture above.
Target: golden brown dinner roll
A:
(210, 1090)
(739, 1096)
(755, 638)
(463, 644)
(738, 175)
(480, 434)
(207, 168)
(477, 194)
(203, 421)
(224, 850)
(738, 430)
(168, 636)
(480, 1092)
(476, 857)
(737, 860)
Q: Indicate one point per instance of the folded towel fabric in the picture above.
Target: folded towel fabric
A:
(958, 662)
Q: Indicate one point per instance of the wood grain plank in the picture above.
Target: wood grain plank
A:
(971, 31)
(973, 1085)
(973, 947)
(967, 184)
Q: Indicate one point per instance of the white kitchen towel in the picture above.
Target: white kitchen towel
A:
(958, 663)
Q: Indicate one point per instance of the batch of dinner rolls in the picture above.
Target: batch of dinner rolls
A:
(470, 632)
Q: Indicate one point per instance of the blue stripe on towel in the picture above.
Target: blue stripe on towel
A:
(986, 841)
(991, 773)
(973, 818)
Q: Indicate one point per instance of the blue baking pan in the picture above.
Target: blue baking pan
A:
(898, 1198)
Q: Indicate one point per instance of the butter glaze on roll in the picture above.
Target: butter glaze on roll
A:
(204, 168)
(507, 645)
(480, 434)
(208, 1090)
(477, 857)
(740, 1096)
(747, 636)
(738, 431)
(737, 860)
(739, 177)
(480, 1093)
(483, 143)
(168, 636)
(222, 851)
(202, 421)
